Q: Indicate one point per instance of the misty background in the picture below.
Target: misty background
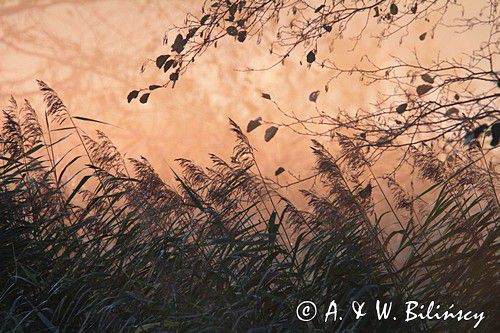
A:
(91, 53)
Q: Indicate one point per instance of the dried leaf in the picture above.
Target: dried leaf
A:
(242, 35)
(468, 138)
(476, 133)
(233, 9)
(279, 171)
(144, 98)
(422, 36)
(266, 96)
(317, 10)
(401, 108)
(253, 124)
(204, 19)
(179, 44)
(174, 76)
(160, 61)
(427, 78)
(394, 9)
(168, 64)
(191, 33)
(270, 133)
(311, 57)
(423, 89)
(414, 8)
(232, 31)
(314, 96)
(451, 111)
(131, 95)
(495, 134)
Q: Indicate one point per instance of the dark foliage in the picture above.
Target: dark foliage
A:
(109, 247)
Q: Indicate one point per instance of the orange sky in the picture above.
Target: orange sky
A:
(90, 52)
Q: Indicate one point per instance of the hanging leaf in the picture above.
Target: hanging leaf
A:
(160, 61)
(314, 96)
(179, 44)
(377, 12)
(174, 76)
(328, 28)
(270, 133)
(266, 96)
(154, 86)
(414, 8)
(422, 36)
(242, 35)
(131, 95)
(279, 171)
(311, 57)
(144, 98)
(451, 112)
(384, 141)
(168, 64)
(242, 4)
(204, 19)
(475, 134)
(495, 134)
(423, 89)
(232, 31)
(233, 9)
(457, 97)
(253, 124)
(394, 9)
(480, 130)
(317, 10)
(191, 33)
(401, 108)
(468, 138)
(427, 78)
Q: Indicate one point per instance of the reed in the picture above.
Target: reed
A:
(93, 243)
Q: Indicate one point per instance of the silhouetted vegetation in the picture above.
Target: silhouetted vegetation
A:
(444, 102)
(92, 242)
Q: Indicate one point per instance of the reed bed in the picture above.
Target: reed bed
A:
(92, 242)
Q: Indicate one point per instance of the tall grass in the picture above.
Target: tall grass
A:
(91, 242)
